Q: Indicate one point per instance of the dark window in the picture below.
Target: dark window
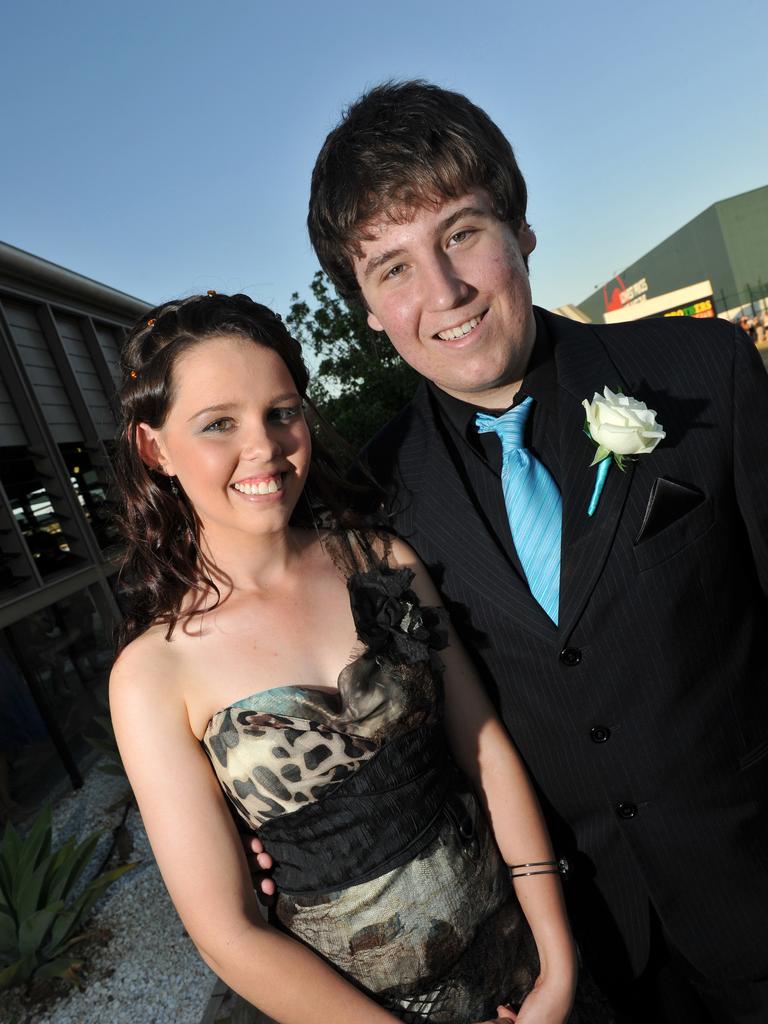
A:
(14, 568)
(91, 487)
(33, 507)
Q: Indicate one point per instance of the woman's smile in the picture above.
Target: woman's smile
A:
(260, 488)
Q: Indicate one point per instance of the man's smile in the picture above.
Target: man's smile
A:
(454, 333)
(460, 312)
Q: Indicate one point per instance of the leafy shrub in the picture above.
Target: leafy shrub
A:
(361, 381)
(40, 918)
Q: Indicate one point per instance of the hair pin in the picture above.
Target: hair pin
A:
(151, 323)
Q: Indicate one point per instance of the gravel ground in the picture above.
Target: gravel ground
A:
(148, 972)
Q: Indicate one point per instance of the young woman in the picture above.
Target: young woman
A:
(290, 672)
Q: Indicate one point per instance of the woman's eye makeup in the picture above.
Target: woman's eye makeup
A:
(277, 414)
(284, 413)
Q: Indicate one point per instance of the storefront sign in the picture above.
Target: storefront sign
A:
(625, 295)
(635, 292)
(702, 309)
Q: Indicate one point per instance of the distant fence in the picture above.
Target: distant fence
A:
(749, 301)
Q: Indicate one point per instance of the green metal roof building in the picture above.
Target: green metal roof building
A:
(726, 245)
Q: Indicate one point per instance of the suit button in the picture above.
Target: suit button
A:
(626, 810)
(570, 656)
(600, 733)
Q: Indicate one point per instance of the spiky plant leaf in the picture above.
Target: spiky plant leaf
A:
(82, 907)
(9, 935)
(74, 917)
(108, 877)
(66, 967)
(11, 851)
(33, 929)
(20, 970)
(78, 861)
(62, 927)
(26, 878)
(37, 843)
(59, 868)
(28, 895)
(38, 919)
(5, 885)
(10, 974)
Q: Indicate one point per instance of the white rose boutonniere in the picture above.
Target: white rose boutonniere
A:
(621, 427)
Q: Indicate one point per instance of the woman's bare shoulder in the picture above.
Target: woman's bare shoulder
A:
(146, 668)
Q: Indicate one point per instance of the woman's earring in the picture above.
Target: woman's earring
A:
(174, 488)
(310, 506)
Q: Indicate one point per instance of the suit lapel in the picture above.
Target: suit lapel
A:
(448, 515)
(583, 367)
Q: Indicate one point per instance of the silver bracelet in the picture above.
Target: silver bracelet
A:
(545, 867)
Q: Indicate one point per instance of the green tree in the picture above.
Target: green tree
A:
(361, 381)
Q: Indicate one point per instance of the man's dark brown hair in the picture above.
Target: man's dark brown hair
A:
(401, 146)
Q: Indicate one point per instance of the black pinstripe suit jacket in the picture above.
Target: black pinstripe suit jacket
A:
(660, 706)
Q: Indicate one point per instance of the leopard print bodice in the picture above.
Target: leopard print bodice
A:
(279, 749)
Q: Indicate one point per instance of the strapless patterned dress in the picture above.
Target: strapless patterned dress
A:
(384, 863)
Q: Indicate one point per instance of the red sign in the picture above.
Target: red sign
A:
(614, 300)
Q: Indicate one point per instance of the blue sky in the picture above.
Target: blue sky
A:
(165, 147)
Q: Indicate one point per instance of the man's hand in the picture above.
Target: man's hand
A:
(260, 864)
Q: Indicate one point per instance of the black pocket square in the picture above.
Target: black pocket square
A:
(668, 501)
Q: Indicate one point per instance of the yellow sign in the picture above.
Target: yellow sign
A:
(698, 309)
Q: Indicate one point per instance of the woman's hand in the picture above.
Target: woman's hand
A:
(548, 1002)
(504, 1013)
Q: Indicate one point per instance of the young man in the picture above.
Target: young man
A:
(627, 660)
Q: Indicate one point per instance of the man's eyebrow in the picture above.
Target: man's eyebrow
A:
(466, 211)
(377, 261)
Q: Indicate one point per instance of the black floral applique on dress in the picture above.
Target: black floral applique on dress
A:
(390, 619)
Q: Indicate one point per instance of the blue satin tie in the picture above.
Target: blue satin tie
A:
(534, 505)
